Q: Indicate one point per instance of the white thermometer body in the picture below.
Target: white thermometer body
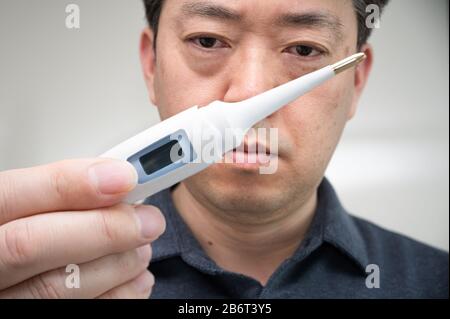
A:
(150, 153)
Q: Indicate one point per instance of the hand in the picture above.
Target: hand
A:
(70, 212)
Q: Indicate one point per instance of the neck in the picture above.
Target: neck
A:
(253, 248)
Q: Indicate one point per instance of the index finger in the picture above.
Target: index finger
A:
(66, 185)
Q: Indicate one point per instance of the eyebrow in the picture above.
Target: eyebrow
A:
(319, 19)
(312, 20)
(209, 10)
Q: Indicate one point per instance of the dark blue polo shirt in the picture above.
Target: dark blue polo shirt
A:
(341, 257)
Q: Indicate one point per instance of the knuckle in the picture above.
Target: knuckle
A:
(7, 195)
(69, 187)
(151, 279)
(140, 287)
(133, 261)
(107, 226)
(113, 223)
(18, 245)
(42, 287)
(143, 258)
(59, 183)
(161, 221)
(112, 294)
(124, 263)
(144, 254)
(146, 283)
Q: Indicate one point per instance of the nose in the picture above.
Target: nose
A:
(251, 73)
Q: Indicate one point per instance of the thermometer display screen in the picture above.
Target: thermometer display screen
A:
(161, 157)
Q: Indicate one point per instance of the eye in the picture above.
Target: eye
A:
(304, 51)
(208, 42)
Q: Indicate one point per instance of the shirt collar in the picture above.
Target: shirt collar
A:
(331, 224)
(339, 228)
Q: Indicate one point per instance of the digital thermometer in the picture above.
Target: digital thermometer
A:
(166, 154)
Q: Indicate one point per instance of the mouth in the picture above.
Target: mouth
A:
(253, 148)
(250, 156)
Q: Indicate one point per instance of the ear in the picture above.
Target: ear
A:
(362, 73)
(148, 61)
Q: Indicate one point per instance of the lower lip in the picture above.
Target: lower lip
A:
(250, 160)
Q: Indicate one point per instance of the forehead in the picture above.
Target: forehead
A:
(268, 12)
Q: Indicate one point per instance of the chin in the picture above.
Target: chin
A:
(239, 188)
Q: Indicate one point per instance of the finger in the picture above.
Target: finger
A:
(139, 288)
(63, 186)
(87, 281)
(34, 245)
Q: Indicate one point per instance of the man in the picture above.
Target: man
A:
(231, 231)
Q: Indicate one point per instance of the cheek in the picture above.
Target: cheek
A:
(178, 87)
(170, 93)
(315, 123)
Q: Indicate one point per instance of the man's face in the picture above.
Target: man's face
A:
(232, 50)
